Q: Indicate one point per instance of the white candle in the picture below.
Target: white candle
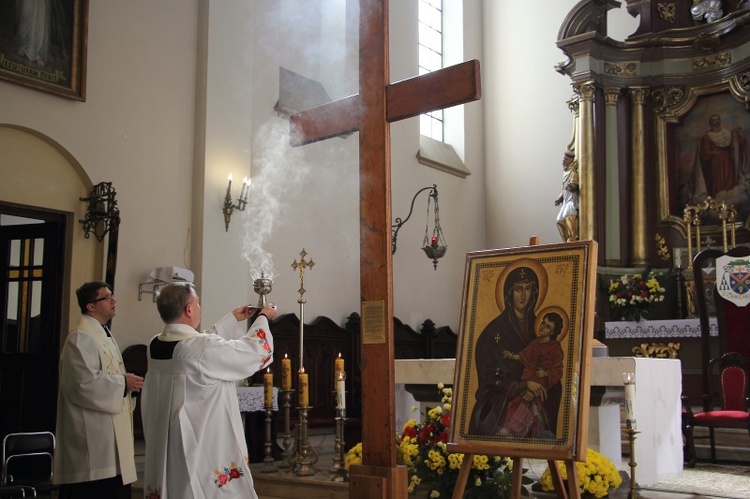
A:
(629, 381)
(678, 258)
(341, 391)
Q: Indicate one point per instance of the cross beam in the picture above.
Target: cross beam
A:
(378, 104)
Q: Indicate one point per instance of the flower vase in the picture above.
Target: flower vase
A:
(632, 314)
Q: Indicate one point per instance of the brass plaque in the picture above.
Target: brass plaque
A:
(373, 322)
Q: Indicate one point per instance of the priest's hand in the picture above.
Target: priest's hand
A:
(270, 311)
(134, 382)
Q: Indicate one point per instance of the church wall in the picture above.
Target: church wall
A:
(319, 201)
(28, 158)
(136, 130)
(528, 124)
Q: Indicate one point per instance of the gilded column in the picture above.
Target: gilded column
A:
(587, 209)
(612, 179)
(638, 248)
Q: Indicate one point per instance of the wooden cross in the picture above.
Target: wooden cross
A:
(378, 104)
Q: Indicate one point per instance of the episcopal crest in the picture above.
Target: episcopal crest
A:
(733, 279)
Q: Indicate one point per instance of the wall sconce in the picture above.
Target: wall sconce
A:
(241, 201)
(102, 212)
(433, 244)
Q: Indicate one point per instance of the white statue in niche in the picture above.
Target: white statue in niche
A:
(710, 10)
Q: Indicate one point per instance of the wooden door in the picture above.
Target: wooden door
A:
(31, 268)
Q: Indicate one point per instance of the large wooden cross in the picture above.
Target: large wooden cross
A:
(378, 104)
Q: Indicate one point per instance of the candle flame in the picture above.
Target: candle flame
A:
(230, 176)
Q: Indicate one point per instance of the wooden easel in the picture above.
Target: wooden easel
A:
(517, 474)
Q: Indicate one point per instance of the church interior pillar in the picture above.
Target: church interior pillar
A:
(612, 190)
(638, 188)
(587, 208)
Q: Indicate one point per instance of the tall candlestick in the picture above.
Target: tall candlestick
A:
(338, 365)
(286, 373)
(678, 258)
(629, 381)
(340, 390)
(303, 389)
(268, 388)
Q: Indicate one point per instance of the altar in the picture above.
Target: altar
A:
(657, 408)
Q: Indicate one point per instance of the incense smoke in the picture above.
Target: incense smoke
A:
(278, 169)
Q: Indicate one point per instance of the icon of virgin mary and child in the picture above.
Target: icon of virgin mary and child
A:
(519, 359)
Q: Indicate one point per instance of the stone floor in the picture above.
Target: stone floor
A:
(283, 485)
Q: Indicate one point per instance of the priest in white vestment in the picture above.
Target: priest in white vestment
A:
(94, 457)
(195, 442)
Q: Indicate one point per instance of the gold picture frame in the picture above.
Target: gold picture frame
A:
(43, 45)
(682, 125)
(503, 364)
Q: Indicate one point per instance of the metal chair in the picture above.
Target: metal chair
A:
(28, 462)
(725, 361)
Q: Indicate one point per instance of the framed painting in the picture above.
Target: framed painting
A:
(703, 152)
(43, 45)
(522, 376)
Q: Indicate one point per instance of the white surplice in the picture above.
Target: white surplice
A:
(195, 442)
(94, 416)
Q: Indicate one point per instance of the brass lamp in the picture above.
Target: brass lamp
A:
(433, 244)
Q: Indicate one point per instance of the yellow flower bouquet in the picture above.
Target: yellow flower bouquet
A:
(433, 470)
(597, 476)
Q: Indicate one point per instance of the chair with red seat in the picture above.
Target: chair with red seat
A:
(725, 361)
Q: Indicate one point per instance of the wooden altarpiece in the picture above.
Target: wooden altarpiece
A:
(642, 110)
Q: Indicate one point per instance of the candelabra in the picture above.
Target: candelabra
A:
(338, 470)
(241, 201)
(632, 432)
(305, 457)
(286, 396)
(268, 466)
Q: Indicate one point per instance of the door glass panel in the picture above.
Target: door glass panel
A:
(15, 253)
(38, 251)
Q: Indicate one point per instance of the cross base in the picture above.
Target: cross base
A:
(378, 482)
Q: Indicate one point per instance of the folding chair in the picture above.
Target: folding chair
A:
(28, 462)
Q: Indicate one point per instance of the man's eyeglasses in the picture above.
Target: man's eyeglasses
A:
(108, 297)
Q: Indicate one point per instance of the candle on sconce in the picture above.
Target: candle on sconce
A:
(303, 388)
(629, 380)
(341, 390)
(338, 365)
(268, 388)
(229, 185)
(286, 373)
(244, 186)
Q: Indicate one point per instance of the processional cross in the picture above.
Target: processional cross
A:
(378, 104)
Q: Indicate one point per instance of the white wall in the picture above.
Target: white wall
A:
(140, 126)
(136, 130)
(528, 123)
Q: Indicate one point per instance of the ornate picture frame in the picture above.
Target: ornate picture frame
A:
(685, 148)
(43, 45)
(521, 387)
